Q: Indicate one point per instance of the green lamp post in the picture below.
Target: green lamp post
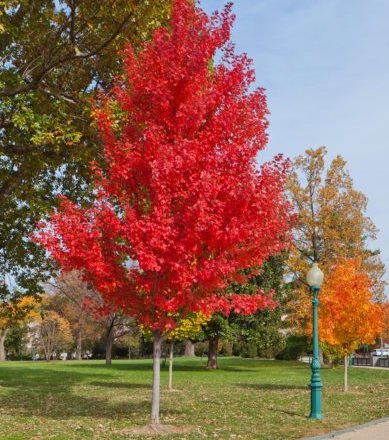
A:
(315, 279)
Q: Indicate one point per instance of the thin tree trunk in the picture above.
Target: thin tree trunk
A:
(129, 352)
(345, 389)
(79, 345)
(3, 335)
(189, 348)
(157, 344)
(212, 354)
(321, 357)
(171, 352)
(109, 343)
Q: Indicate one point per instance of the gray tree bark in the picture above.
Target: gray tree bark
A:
(79, 346)
(171, 353)
(345, 387)
(3, 335)
(321, 357)
(212, 354)
(157, 345)
(109, 342)
(189, 348)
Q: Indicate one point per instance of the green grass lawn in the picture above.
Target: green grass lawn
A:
(245, 399)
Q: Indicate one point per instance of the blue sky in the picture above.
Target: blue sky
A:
(325, 66)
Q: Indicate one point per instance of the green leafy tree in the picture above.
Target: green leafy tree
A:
(218, 328)
(259, 334)
(56, 55)
(262, 333)
(16, 341)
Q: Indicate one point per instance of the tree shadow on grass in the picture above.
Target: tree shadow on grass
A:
(147, 367)
(300, 415)
(271, 386)
(126, 385)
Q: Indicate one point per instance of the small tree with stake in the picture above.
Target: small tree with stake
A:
(348, 314)
(180, 208)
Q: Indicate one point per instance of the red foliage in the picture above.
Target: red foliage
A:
(180, 207)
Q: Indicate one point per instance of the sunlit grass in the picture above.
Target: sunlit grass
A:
(245, 399)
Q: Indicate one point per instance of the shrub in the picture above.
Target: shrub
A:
(249, 349)
(295, 347)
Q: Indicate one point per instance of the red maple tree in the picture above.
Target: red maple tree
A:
(181, 207)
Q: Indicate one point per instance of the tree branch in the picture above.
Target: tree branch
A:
(75, 54)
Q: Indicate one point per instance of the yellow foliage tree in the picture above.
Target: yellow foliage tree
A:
(188, 328)
(16, 312)
(52, 334)
(332, 225)
(348, 315)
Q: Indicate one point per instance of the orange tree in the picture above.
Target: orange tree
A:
(332, 224)
(348, 315)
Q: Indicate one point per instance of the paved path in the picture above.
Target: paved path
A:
(372, 368)
(375, 430)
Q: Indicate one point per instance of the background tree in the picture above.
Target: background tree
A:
(16, 342)
(131, 341)
(89, 313)
(90, 318)
(190, 328)
(218, 328)
(259, 334)
(117, 325)
(332, 224)
(55, 56)
(69, 298)
(181, 207)
(52, 334)
(16, 313)
(348, 315)
(262, 334)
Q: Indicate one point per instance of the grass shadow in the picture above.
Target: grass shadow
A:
(118, 385)
(290, 413)
(147, 367)
(272, 386)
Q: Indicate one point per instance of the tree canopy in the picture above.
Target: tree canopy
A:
(332, 225)
(56, 55)
(180, 207)
(348, 315)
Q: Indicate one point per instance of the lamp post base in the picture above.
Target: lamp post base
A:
(316, 416)
(316, 412)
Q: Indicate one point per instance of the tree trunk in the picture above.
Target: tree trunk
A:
(157, 344)
(79, 346)
(109, 344)
(171, 352)
(129, 352)
(212, 354)
(189, 348)
(321, 357)
(345, 388)
(3, 335)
